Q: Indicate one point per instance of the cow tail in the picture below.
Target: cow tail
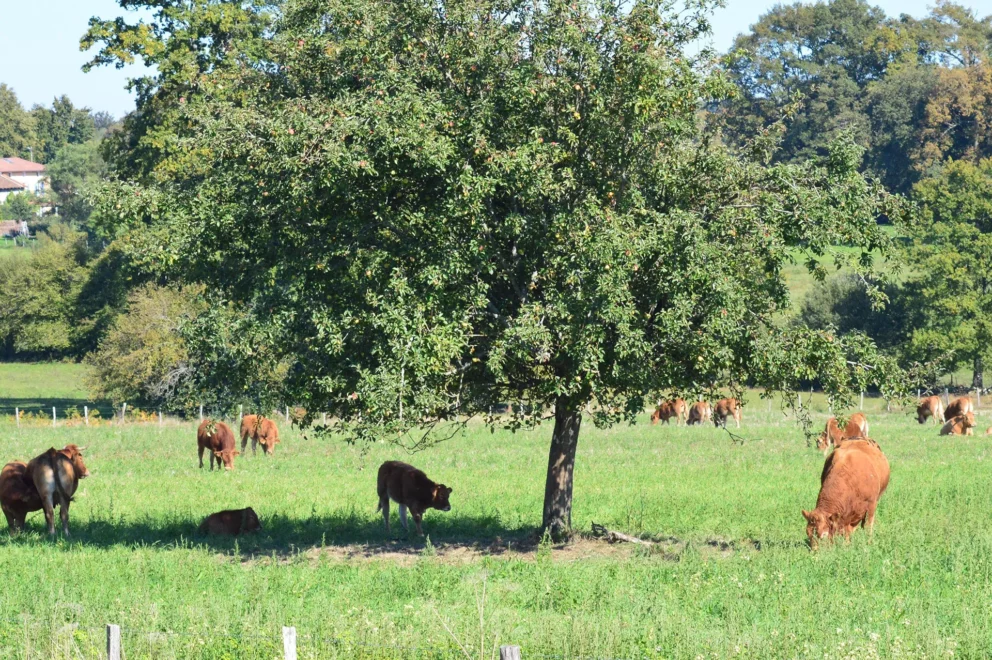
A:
(52, 454)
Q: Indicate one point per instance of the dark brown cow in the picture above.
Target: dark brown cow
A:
(668, 409)
(55, 476)
(931, 407)
(411, 489)
(960, 425)
(219, 439)
(231, 523)
(18, 496)
(726, 408)
(853, 479)
(699, 412)
(960, 406)
(262, 431)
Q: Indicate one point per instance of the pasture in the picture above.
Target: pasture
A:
(731, 575)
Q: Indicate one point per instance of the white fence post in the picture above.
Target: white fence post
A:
(509, 653)
(160, 419)
(17, 416)
(287, 414)
(289, 642)
(978, 393)
(53, 417)
(86, 414)
(113, 642)
(947, 398)
(201, 412)
(324, 416)
(862, 399)
(123, 412)
(241, 411)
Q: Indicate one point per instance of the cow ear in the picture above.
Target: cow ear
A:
(808, 516)
(218, 454)
(235, 453)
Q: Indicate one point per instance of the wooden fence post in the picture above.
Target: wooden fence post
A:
(113, 642)
(289, 642)
(53, 417)
(86, 414)
(509, 653)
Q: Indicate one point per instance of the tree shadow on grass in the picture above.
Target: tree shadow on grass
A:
(346, 534)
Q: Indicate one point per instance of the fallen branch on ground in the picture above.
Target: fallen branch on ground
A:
(615, 537)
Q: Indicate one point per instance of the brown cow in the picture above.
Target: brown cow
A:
(666, 410)
(855, 429)
(853, 479)
(55, 476)
(988, 431)
(699, 412)
(262, 431)
(219, 439)
(411, 489)
(18, 496)
(960, 406)
(960, 425)
(726, 408)
(931, 407)
(231, 523)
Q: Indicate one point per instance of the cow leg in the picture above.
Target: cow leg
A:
(212, 457)
(254, 445)
(417, 517)
(46, 504)
(64, 514)
(11, 521)
(870, 519)
(201, 458)
(403, 517)
(384, 507)
(244, 442)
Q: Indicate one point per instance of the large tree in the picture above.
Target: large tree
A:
(17, 135)
(60, 125)
(428, 208)
(950, 261)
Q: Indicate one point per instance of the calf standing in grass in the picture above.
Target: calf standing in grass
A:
(931, 407)
(833, 436)
(960, 406)
(699, 412)
(262, 431)
(231, 523)
(726, 408)
(667, 409)
(218, 438)
(853, 479)
(411, 489)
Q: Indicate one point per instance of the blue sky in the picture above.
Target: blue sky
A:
(40, 57)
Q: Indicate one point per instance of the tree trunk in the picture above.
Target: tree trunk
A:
(978, 374)
(561, 464)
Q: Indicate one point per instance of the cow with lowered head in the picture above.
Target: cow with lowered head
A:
(411, 489)
(666, 410)
(262, 431)
(218, 438)
(699, 412)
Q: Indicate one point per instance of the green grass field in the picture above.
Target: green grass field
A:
(731, 575)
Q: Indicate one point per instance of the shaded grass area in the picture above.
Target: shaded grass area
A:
(731, 576)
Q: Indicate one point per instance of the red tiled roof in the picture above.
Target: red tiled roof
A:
(9, 184)
(15, 164)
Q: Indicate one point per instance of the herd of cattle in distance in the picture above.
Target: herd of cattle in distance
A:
(855, 473)
(854, 476)
(53, 477)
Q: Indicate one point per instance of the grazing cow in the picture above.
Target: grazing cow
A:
(853, 479)
(666, 410)
(219, 439)
(231, 523)
(262, 431)
(930, 407)
(18, 496)
(960, 425)
(726, 408)
(411, 489)
(855, 429)
(960, 406)
(55, 476)
(699, 412)
(988, 431)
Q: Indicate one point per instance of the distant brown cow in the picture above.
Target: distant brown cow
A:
(988, 431)
(960, 406)
(18, 496)
(853, 479)
(931, 407)
(219, 439)
(55, 477)
(726, 408)
(231, 523)
(699, 412)
(411, 489)
(960, 425)
(856, 428)
(668, 409)
(262, 431)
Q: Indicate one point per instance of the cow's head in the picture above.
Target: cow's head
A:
(921, 413)
(968, 421)
(823, 441)
(75, 456)
(226, 456)
(250, 521)
(819, 526)
(269, 438)
(440, 498)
